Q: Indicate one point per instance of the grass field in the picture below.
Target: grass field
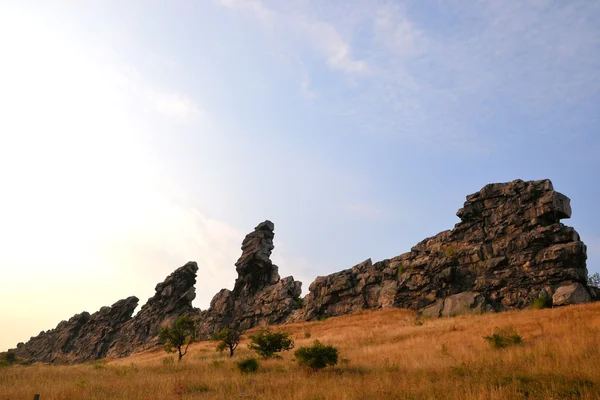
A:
(383, 355)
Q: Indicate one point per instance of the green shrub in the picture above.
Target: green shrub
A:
(541, 302)
(228, 339)
(594, 279)
(502, 338)
(298, 303)
(317, 356)
(248, 365)
(401, 269)
(266, 342)
(177, 338)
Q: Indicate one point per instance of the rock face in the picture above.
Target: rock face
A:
(173, 298)
(259, 296)
(574, 293)
(84, 337)
(508, 248)
(111, 331)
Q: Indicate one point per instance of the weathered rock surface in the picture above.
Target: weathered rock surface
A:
(173, 298)
(259, 296)
(508, 248)
(574, 293)
(84, 337)
(112, 331)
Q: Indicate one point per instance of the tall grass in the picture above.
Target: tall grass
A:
(386, 356)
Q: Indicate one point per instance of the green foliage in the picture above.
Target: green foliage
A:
(503, 338)
(248, 365)
(322, 317)
(298, 303)
(7, 358)
(266, 342)
(228, 339)
(541, 302)
(178, 337)
(400, 269)
(307, 333)
(450, 252)
(594, 279)
(317, 356)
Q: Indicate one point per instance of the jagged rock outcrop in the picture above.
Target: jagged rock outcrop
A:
(112, 331)
(84, 337)
(173, 298)
(259, 296)
(509, 248)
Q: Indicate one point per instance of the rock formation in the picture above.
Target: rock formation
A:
(84, 337)
(173, 298)
(508, 249)
(111, 331)
(259, 296)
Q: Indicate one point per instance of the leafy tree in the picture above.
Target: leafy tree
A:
(266, 342)
(594, 279)
(317, 356)
(228, 339)
(178, 337)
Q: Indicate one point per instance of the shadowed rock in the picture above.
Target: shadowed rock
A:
(84, 337)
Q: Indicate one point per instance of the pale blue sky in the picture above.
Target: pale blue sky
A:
(138, 135)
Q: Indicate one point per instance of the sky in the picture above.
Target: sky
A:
(138, 135)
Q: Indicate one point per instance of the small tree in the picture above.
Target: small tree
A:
(228, 339)
(178, 337)
(594, 279)
(266, 342)
(317, 356)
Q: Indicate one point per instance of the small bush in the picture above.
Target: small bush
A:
(266, 342)
(503, 338)
(307, 334)
(401, 269)
(248, 365)
(541, 302)
(450, 252)
(317, 356)
(298, 303)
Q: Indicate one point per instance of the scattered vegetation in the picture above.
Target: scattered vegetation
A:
(248, 365)
(267, 342)
(541, 302)
(450, 252)
(317, 356)
(400, 269)
(298, 303)
(594, 279)
(178, 337)
(391, 358)
(502, 338)
(228, 339)
(7, 358)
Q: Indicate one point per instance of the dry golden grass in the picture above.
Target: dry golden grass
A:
(383, 355)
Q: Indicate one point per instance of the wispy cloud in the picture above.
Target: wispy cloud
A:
(174, 106)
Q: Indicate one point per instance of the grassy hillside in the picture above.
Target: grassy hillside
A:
(383, 355)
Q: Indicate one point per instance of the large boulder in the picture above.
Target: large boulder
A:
(574, 293)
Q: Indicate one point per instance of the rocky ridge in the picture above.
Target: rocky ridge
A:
(508, 249)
